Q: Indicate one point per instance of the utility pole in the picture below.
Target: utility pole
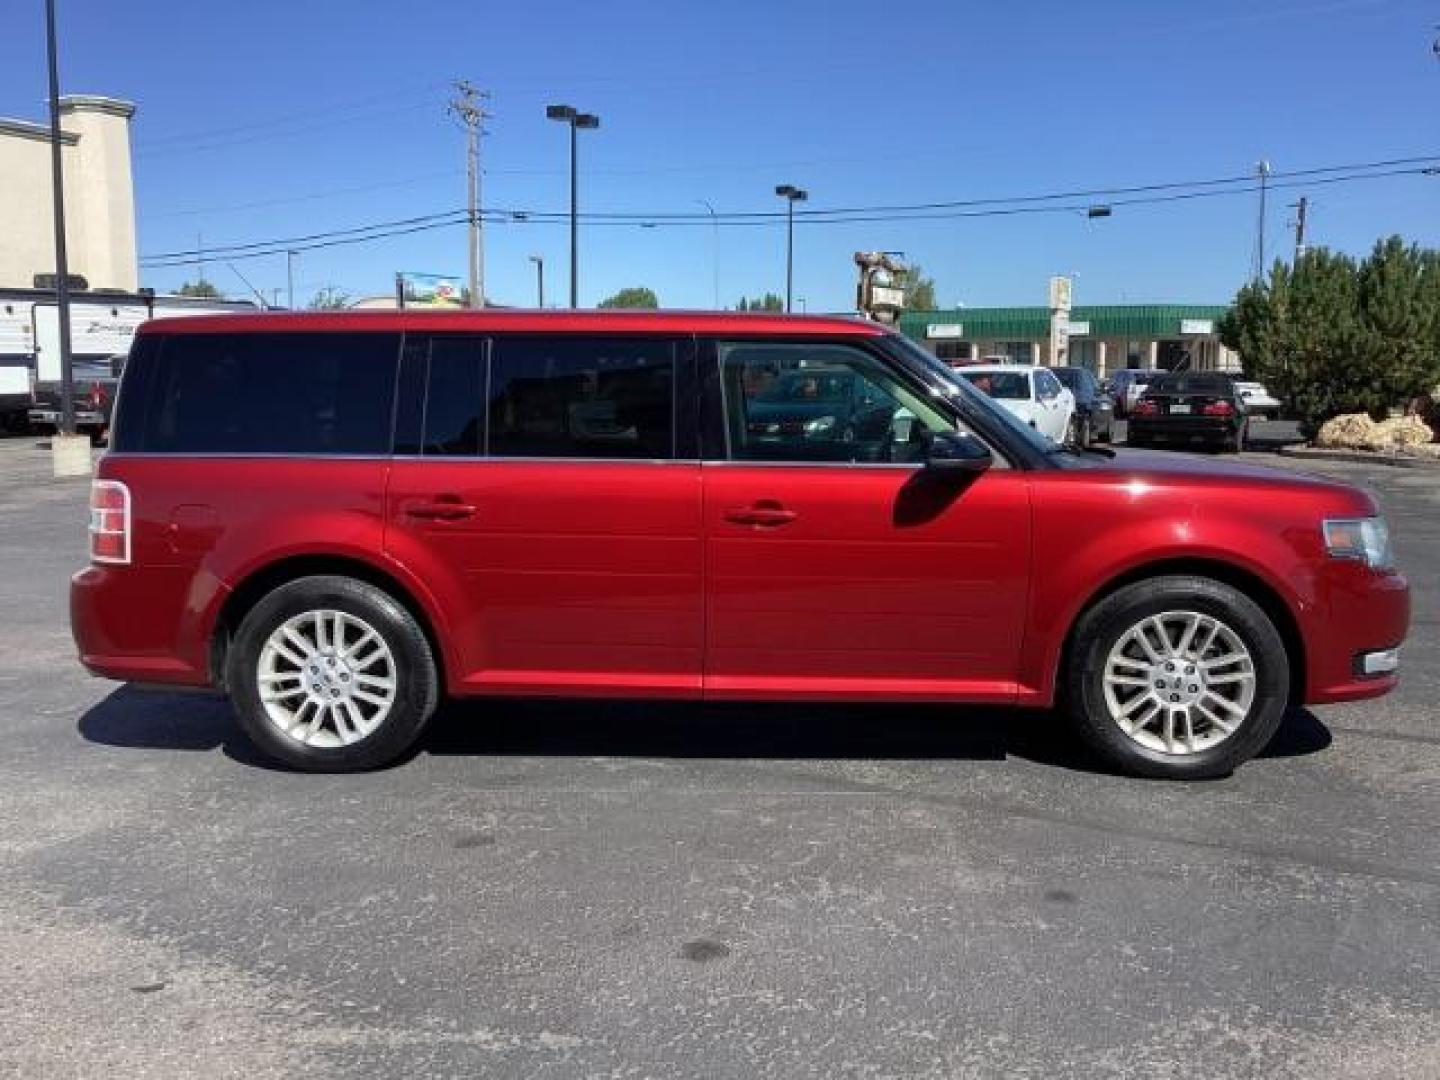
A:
(467, 107)
(539, 261)
(1262, 171)
(1300, 209)
(290, 278)
(62, 262)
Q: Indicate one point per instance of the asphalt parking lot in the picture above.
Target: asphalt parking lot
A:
(602, 889)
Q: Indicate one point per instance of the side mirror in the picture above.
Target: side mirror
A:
(957, 452)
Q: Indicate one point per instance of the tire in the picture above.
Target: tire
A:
(1235, 443)
(353, 732)
(1073, 431)
(1103, 645)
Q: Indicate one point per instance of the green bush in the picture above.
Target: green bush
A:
(1332, 335)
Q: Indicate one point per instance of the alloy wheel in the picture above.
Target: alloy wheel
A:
(1180, 682)
(326, 678)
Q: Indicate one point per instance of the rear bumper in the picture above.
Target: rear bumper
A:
(1191, 430)
(83, 417)
(133, 624)
(1361, 612)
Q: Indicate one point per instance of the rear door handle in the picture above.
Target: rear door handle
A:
(761, 515)
(441, 509)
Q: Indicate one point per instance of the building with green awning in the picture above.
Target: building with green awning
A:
(1102, 337)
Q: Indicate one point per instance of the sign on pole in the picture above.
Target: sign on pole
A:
(1060, 295)
(431, 288)
(1060, 289)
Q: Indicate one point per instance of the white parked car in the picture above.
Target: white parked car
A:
(1258, 401)
(1033, 394)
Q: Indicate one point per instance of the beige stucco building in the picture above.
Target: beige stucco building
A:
(99, 196)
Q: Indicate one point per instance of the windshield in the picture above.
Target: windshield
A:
(1005, 385)
(961, 388)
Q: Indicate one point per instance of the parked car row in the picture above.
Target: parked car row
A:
(1069, 405)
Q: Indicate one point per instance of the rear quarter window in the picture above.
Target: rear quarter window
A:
(261, 393)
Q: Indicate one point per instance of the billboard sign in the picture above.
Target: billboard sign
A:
(431, 288)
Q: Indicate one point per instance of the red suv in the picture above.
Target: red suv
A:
(338, 518)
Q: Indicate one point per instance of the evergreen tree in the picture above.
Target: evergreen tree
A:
(1334, 336)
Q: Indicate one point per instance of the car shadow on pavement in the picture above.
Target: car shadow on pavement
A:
(149, 720)
(135, 719)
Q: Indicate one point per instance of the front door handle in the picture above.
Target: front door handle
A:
(441, 509)
(762, 515)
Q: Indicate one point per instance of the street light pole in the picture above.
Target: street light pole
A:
(62, 262)
(574, 221)
(539, 261)
(568, 114)
(290, 279)
(791, 194)
(714, 249)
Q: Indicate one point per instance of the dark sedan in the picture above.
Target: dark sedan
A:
(818, 411)
(1190, 409)
(1094, 419)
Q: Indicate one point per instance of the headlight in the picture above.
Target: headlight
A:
(821, 425)
(1367, 539)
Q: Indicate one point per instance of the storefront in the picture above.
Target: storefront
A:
(1102, 338)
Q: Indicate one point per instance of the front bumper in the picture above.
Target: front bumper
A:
(1361, 614)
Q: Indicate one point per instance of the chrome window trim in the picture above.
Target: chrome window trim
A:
(437, 459)
(899, 465)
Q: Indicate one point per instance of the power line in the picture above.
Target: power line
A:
(916, 212)
(229, 249)
(383, 103)
(314, 196)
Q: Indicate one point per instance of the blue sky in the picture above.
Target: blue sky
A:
(272, 119)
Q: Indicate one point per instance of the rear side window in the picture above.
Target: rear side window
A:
(589, 397)
(442, 396)
(260, 393)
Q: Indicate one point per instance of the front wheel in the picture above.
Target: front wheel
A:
(1177, 677)
(331, 674)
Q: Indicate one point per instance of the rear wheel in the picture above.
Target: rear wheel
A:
(1236, 442)
(330, 674)
(1177, 677)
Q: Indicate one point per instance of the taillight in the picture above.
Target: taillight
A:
(1146, 407)
(1217, 408)
(109, 522)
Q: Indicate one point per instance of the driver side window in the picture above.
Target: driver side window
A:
(820, 402)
